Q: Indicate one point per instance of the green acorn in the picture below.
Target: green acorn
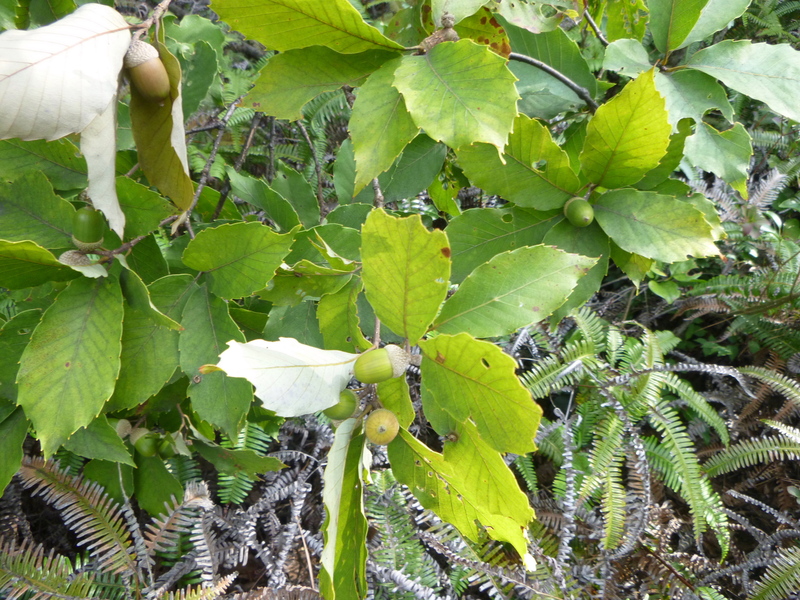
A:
(348, 402)
(146, 71)
(88, 226)
(381, 364)
(381, 426)
(145, 441)
(579, 212)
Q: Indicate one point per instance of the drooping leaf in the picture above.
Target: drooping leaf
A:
(338, 319)
(30, 210)
(218, 399)
(290, 378)
(536, 173)
(25, 264)
(472, 379)
(291, 79)
(406, 269)
(69, 368)
(766, 72)
(160, 138)
(628, 135)
(654, 226)
(512, 290)
(344, 556)
(459, 93)
(252, 253)
(380, 125)
(288, 24)
(479, 234)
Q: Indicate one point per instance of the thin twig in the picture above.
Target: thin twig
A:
(581, 91)
(595, 28)
(237, 166)
(156, 15)
(379, 198)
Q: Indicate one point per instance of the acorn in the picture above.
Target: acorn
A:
(381, 364)
(145, 441)
(579, 212)
(344, 409)
(166, 447)
(381, 426)
(146, 71)
(88, 226)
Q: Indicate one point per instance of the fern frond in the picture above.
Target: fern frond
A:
(780, 383)
(524, 465)
(607, 450)
(554, 373)
(782, 578)
(164, 533)
(28, 570)
(699, 404)
(233, 489)
(612, 505)
(751, 452)
(203, 592)
(87, 510)
(592, 327)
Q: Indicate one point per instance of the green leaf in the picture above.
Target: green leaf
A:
(13, 430)
(533, 171)
(30, 210)
(199, 70)
(221, 400)
(338, 319)
(60, 161)
(162, 156)
(472, 379)
(654, 226)
(25, 264)
(724, 153)
(116, 479)
(692, 94)
(296, 189)
(14, 336)
(154, 485)
(715, 16)
(298, 322)
(512, 290)
(414, 171)
(380, 125)
(304, 281)
(147, 260)
(671, 21)
(626, 19)
(237, 462)
(627, 136)
(255, 191)
(406, 269)
(287, 24)
(459, 93)
(766, 72)
(292, 79)
(252, 254)
(460, 9)
(144, 209)
(137, 297)
(627, 57)
(633, 265)
(479, 234)
(70, 367)
(461, 487)
(670, 162)
(394, 394)
(344, 556)
(99, 440)
(586, 241)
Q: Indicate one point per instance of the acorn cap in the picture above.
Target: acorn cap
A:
(139, 53)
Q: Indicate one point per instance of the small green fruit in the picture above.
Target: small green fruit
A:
(348, 401)
(145, 441)
(381, 426)
(167, 447)
(88, 225)
(381, 364)
(146, 72)
(579, 212)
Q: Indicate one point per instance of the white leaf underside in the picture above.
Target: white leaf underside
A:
(290, 378)
(56, 79)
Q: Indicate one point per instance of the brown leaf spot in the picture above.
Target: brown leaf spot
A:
(446, 252)
(439, 358)
(67, 365)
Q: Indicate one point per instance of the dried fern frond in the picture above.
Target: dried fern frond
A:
(203, 592)
(87, 510)
(782, 578)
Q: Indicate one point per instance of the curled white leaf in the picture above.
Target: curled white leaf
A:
(290, 378)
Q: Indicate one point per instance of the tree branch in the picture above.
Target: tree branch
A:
(582, 92)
